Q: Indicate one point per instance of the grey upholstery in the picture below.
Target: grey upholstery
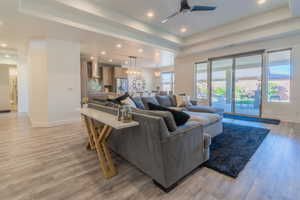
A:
(173, 99)
(165, 100)
(165, 156)
(207, 143)
(138, 102)
(204, 119)
(206, 109)
(214, 129)
(211, 122)
(147, 100)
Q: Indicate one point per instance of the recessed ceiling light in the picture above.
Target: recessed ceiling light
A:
(150, 14)
(119, 46)
(103, 52)
(4, 45)
(92, 57)
(141, 50)
(261, 1)
(183, 30)
(7, 56)
(110, 60)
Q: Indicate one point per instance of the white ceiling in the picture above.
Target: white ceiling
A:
(17, 29)
(227, 11)
(85, 21)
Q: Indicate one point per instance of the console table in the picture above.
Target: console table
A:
(98, 136)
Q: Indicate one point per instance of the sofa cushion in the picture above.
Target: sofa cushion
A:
(178, 108)
(205, 119)
(147, 100)
(166, 115)
(138, 102)
(205, 109)
(173, 99)
(180, 117)
(164, 100)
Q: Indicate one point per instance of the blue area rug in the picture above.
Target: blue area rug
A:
(252, 119)
(231, 150)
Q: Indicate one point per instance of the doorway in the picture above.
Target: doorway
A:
(8, 88)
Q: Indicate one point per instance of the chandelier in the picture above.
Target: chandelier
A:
(157, 72)
(132, 64)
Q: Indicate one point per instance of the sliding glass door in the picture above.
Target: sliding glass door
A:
(236, 84)
(221, 84)
(248, 75)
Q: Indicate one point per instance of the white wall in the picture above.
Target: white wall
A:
(4, 88)
(54, 82)
(184, 73)
(64, 91)
(38, 84)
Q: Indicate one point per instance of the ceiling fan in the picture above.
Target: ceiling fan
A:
(185, 7)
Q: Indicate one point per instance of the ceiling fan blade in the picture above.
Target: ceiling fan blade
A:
(171, 16)
(203, 8)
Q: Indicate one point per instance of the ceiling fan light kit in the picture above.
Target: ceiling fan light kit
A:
(185, 7)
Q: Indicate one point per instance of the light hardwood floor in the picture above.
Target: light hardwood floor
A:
(52, 163)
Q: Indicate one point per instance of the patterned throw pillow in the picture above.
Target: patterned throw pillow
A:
(183, 101)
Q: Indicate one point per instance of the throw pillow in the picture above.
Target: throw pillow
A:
(166, 115)
(119, 99)
(183, 101)
(164, 100)
(138, 102)
(180, 117)
(147, 100)
(128, 102)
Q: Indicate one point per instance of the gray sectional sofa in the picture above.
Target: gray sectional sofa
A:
(163, 153)
(165, 156)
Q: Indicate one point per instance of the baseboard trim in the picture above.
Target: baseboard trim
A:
(282, 118)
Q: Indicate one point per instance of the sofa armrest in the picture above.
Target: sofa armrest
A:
(182, 152)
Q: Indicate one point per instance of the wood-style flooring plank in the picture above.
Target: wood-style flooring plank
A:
(53, 163)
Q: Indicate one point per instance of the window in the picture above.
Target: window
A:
(167, 81)
(279, 75)
(201, 80)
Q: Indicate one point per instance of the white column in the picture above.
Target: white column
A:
(22, 68)
(54, 82)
